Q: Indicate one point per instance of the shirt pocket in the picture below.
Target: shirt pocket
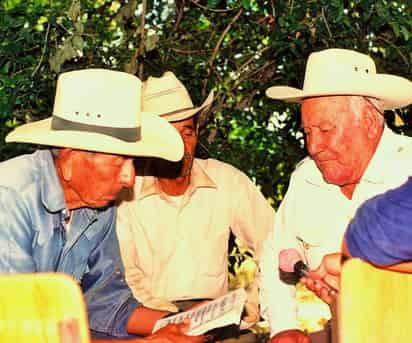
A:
(75, 261)
(310, 247)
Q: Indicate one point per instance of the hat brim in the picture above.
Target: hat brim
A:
(394, 91)
(182, 115)
(158, 139)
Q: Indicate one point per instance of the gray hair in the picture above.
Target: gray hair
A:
(357, 104)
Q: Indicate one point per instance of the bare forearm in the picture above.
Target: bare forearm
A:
(143, 319)
(404, 267)
(118, 340)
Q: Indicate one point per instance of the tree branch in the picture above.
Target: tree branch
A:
(179, 13)
(326, 23)
(405, 60)
(251, 59)
(217, 47)
(210, 9)
(46, 38)
(222, 36)
(189, 52)
(142, 35)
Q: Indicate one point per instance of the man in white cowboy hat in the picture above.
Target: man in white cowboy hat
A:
(178, 250)
(352, 157)
(56, 211)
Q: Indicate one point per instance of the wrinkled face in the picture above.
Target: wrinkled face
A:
(188, 131)
(97, 178)
(336, 139)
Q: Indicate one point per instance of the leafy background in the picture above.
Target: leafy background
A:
(237, 48)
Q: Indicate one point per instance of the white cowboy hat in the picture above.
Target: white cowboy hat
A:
(100, 110)
(346, 72)
(168, 97)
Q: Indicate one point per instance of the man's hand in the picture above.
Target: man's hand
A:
(174, 333)
(324, 281)
(290, 336)
(252, 313)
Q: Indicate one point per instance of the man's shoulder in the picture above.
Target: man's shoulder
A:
(16, 173)
(400, 158)
(218, 168)
(403, 146)
(306, 169)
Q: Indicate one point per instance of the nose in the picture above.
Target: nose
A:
(127, 173)
(314, 143)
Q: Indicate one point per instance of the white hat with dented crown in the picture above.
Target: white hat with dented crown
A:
(346, 72)
(100, 110)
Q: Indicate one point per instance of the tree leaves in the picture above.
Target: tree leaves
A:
(267, 43)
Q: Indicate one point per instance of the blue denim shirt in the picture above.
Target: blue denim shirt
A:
(33, 238)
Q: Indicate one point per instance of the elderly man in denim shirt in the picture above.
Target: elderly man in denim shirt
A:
(56, 210)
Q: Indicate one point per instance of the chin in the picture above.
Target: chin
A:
(334, 178)
(99, 203)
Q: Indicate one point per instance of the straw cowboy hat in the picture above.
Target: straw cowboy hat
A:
(169, 98)
(346, 72)
(100, 110)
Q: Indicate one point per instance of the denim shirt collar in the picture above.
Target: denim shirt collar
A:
(51, 191)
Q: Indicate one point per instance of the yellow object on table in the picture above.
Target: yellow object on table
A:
(40, 308)
(375, 305)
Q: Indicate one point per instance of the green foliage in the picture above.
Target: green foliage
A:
(236, 47)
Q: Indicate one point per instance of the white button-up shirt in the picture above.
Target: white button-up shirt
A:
(313, 216)
(177, 249)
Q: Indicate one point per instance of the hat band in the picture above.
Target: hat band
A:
(178, 111)
(124, 133)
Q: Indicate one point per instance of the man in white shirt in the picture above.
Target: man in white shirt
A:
(174, 230)
(352, 157)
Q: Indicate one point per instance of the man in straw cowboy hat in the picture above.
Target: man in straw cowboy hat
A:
(352, 157)
(56, 211)
(178, 250)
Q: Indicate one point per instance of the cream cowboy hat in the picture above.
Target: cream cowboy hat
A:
(168, 97)
(100, 110)
(346, 72)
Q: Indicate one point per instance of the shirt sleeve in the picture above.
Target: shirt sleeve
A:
(252, 215)
(277, 299)
(110, 302)
(252, 220)
(380, 232)
(16, 234)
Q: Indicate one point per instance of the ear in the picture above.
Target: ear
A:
(66, 163)
(371, 122)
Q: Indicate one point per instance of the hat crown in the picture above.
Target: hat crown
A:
(338, 65)
(346, 72)
(99, 97)
(164, 95)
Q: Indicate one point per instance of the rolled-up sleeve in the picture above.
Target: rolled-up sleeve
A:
(110, 302)
(380, 232)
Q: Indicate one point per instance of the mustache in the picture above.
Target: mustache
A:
(169, 169)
